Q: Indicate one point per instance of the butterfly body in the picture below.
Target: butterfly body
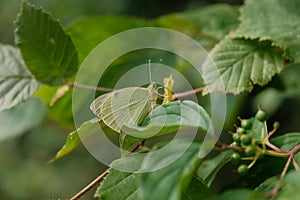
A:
(125, 106)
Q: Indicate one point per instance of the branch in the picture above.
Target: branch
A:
(87, 87)
(187, 93)
(91, 185)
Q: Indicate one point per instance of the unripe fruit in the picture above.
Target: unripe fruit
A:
(243, 169)
(246, 124)
(246, 139)
(276, 125)
(250, 150)
(235, 144)
(240, 130)
(236, 137)
(261, 115)
(235, 157)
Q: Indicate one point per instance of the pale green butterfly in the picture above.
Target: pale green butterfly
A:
(125, 106)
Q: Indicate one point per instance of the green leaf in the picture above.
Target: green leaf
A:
(291, 185)
(268, 185)
(21, 118)
(165, 119)
(287, 141)
(121, 184)
(16, 83)
(240, 194)
(207, 25)
(46, 49)
(209, 168)
(73, 139)
(170, 170)
(278, 21)
(236, 65)
(214, 20)
(197, 189)
(88, 32)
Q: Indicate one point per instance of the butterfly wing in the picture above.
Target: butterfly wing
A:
(124, 106)
(96, 105)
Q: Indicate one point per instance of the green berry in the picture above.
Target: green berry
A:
(235, 144)
(276, 125)
(240, 130)
(261, 115)
(246, 139)
(246, 124)
(235, 157)
(236, 137)
(250, 150)
(243, 169)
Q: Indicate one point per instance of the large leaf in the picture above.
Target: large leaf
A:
(207, 25)
(88, 32)
(46, 49)
(240, 194)
(121, 184)
(214, 20)
(16, 82)
(165, 119)
(21, 118)
(236, 65)
(278, 21)
(170, 170)
(209, 168)
(291, 185)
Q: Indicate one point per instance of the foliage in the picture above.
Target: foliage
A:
(254, 51)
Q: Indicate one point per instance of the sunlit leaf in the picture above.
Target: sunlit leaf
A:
(278, 21)
(165, 119)
(237, 65)
(16, 83)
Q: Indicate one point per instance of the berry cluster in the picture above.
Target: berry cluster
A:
(247, 144)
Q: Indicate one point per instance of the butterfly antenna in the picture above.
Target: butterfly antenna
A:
(149, 68)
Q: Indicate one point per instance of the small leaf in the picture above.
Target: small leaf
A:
(73, 139)
(236, 65)
(165, 119)
(278, 21)
(16, 82)
(46, 49)
(120, 184)
(21, 118)
(169, 170)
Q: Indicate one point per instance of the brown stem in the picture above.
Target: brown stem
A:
(87, 87)
(187, 93)
(91, 185)
(227, 147)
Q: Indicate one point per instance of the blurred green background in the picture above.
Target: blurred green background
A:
(24, 172)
